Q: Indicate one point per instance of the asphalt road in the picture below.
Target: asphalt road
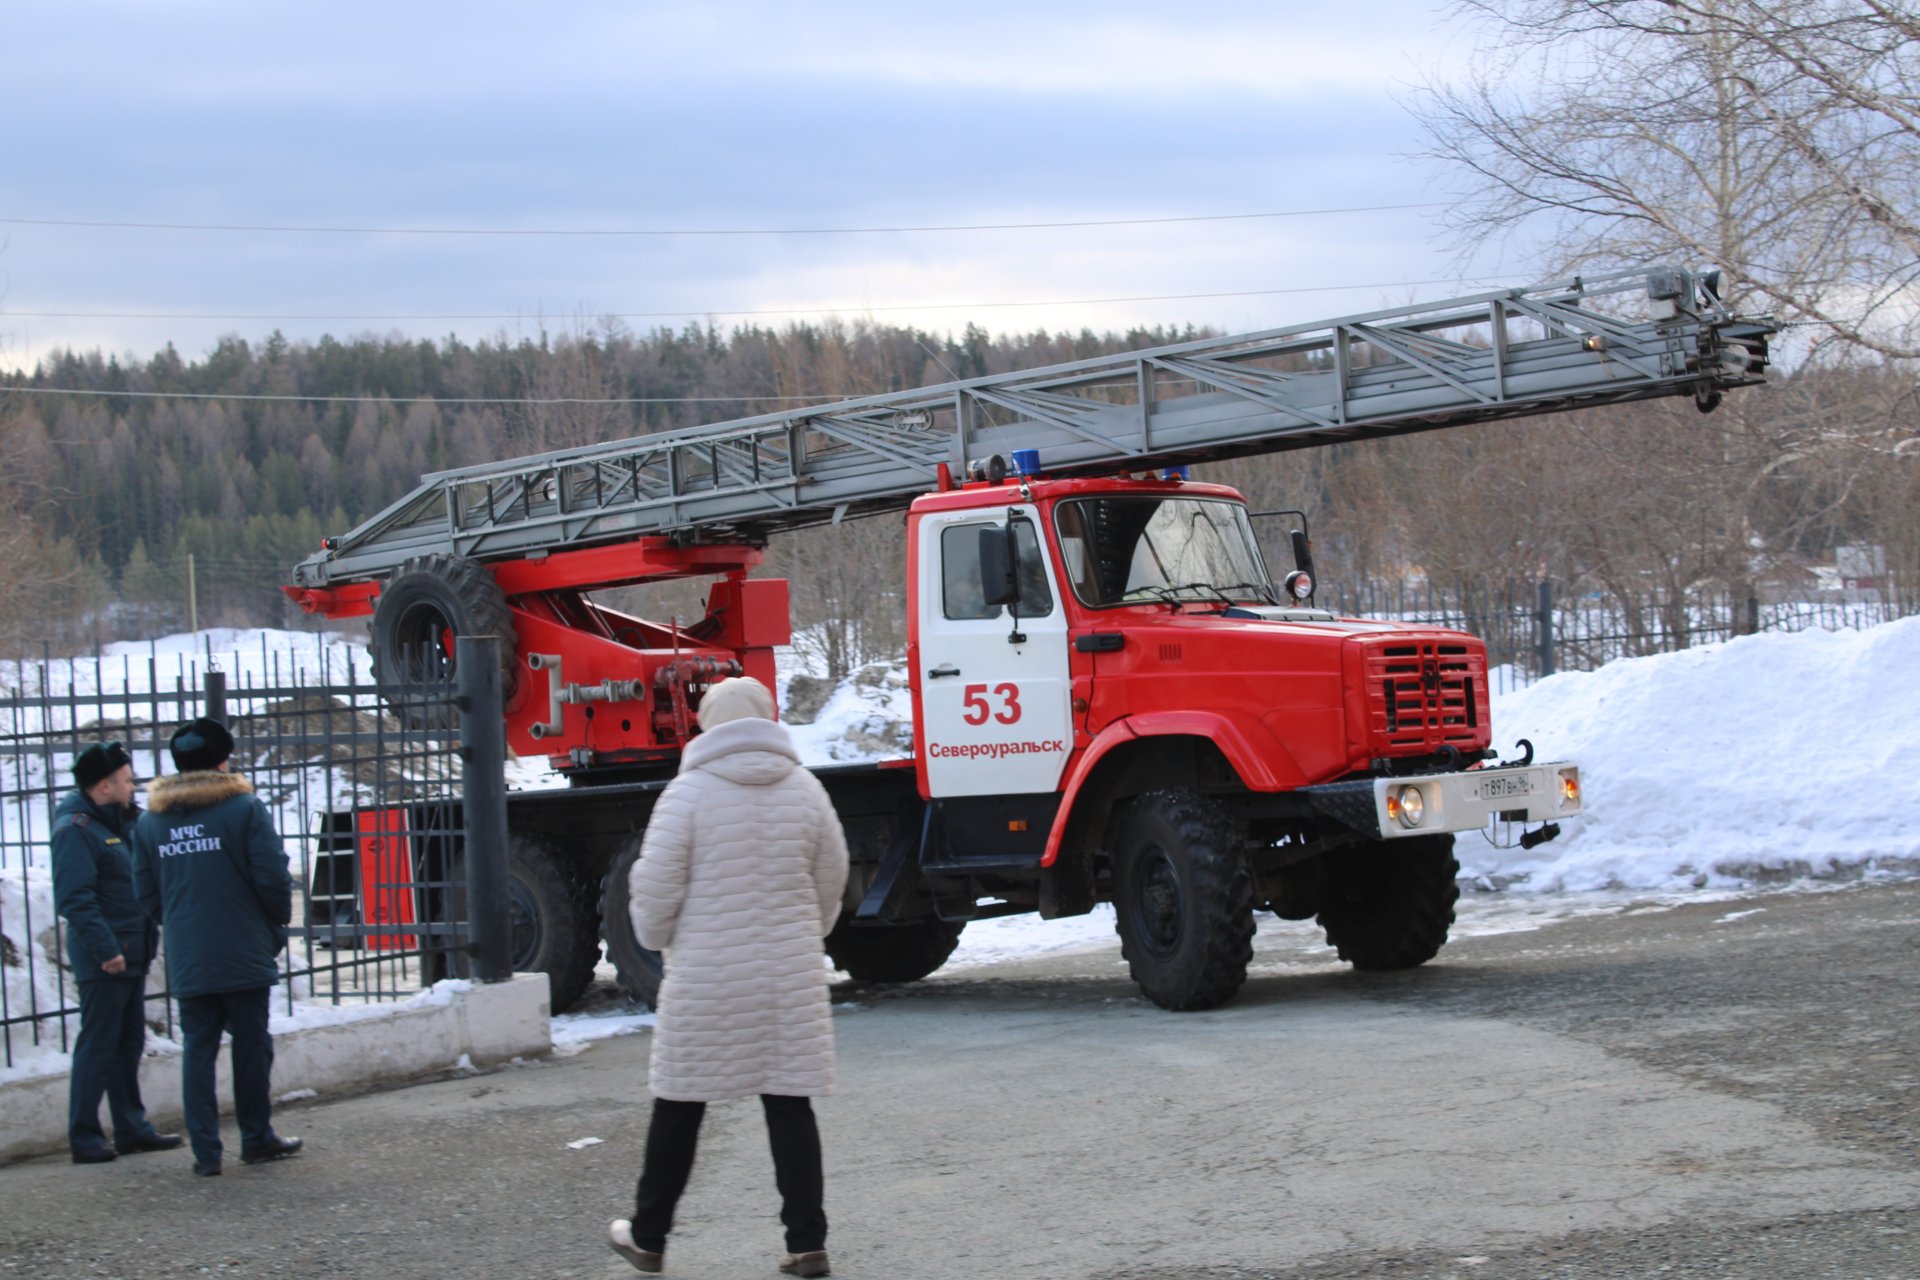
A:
(1715, 1090)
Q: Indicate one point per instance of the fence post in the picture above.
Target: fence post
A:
(483, 754)
(216, 696)
(1543, 629)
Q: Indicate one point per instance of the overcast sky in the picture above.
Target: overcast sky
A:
(714, 117)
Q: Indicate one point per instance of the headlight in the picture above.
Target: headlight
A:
(1299, 585)
(1569, 787)
(1413, 806)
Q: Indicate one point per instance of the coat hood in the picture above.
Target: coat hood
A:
(751, 752)
(195, 790)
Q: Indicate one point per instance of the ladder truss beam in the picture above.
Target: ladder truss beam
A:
(1491, 356)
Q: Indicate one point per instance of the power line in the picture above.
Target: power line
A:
(792, 311)
(702, 231)
(824, 397)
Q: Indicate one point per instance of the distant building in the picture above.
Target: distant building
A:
(1862, 568)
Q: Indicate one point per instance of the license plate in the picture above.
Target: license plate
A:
(1499, 788)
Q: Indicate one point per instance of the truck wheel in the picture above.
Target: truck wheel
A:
(1184, 900)
(638, 969)
(893, 952)
(1390, 904)
(421, 609)
(550, 915)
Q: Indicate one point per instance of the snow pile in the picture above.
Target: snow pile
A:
(31, 960)
(1762, 759)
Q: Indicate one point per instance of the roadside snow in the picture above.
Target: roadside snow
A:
(1765, 759)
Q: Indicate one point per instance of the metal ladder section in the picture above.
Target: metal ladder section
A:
(1504, 354)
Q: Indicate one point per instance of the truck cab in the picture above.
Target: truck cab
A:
(1113, 696)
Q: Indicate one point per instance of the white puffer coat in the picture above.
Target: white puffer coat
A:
(739, 877)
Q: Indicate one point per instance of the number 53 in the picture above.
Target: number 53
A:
(978, 709)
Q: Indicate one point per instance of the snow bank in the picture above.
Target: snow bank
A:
(1761, 759)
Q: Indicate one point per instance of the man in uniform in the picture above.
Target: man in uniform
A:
(209, 866)
(109, 944)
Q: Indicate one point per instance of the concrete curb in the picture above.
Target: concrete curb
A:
(486, 1023)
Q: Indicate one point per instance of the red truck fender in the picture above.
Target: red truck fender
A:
(1224, 731)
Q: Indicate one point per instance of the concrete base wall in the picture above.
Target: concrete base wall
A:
(487, 1023)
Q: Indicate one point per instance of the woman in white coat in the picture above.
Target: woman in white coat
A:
(740, 876)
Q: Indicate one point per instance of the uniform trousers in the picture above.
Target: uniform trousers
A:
(671, 1139)
(242, 1015)
(106, 1060)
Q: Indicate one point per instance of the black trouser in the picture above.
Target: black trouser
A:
(106, 1060)
(242, 1015)
(671, 1139)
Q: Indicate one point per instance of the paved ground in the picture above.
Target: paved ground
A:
(1718, 1090)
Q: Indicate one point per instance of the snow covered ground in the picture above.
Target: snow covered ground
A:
(1764, 762)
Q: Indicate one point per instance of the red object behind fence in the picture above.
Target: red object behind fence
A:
(386, 876)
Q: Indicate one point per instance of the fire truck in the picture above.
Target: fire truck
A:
(1116, 698)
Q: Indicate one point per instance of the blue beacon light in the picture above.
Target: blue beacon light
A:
(1026, 462)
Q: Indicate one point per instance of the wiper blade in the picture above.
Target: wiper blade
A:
(1203, 586)
(1166, 595)
(1263, 590)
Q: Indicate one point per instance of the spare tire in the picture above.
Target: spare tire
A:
(427, 602)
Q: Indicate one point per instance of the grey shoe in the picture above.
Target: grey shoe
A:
(279, 1149)
(620, 1240)
(806, 1264)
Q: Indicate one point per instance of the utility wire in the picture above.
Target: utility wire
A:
(798, 311)
(825, 397)
(701, 231)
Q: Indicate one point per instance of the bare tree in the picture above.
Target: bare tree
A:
(1778, 139)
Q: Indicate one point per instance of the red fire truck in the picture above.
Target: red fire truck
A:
(1116, 699)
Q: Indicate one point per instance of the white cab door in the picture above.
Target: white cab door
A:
(996, 709)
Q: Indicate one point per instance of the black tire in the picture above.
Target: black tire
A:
(1389, 905)
(893, 952)
(638, 969)
(550, 913)
(423, 606)
(1183, 899)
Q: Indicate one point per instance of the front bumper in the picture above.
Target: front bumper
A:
(1451, 801)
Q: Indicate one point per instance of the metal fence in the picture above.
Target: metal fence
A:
(389, 799)
(1535, 629)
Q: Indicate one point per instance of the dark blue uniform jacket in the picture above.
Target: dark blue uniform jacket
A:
(93, 889)
(209, 866)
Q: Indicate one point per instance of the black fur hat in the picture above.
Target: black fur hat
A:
(200, 744)
(98, 763)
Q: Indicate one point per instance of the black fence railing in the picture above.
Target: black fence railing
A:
(367, 783)
(1535, 629)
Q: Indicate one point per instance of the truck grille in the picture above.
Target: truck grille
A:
(1426, 695)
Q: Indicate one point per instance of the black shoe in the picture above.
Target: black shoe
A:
(95, 1155)
(280, 1150)
(206, 1170)
(152, 1142)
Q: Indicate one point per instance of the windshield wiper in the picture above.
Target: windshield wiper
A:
(1164, 595)
(1264, 590)
(1203, 586)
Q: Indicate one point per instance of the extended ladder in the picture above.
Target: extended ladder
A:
(1505, 354)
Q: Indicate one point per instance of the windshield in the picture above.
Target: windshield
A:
(1125, 550)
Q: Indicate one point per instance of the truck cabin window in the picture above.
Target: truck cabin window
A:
(1139, 549)
(963, 591)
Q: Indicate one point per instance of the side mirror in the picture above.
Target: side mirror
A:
(999, 566)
